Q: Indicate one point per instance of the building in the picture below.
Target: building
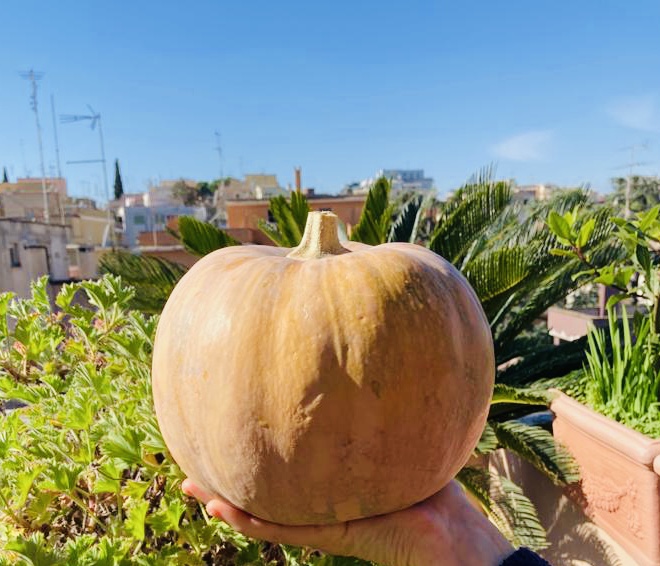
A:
(131, 220)
(403, 181)
(163, 193)
(243, 215)
(28, 250)
(252, 187)
(407, 180)
(530, 193)
(89, 235)
(25, 199)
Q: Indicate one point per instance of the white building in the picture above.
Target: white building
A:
(403, 180)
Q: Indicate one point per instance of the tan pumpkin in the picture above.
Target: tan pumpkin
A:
(328, 383)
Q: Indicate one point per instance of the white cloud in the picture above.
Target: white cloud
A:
(533, 145)
(636, 112)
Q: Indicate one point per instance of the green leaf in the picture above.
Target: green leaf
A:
(135, 489)
(585, 233)
(561, 252)
(124, 445)
(615, 299)
(24, 481)
(66, 295)
(647, 219)
(134, 523)
(201, 238)
(61, 477)
(623, 276)
(5, 299)
(109, 478)
(35, 550)
(39, 292)
(373, 228)
(168, 517)
(559, 226)
(643, 257)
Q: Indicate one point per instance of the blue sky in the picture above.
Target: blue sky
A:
(548, 91)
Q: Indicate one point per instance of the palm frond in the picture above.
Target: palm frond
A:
(273, 233)
(466, 216)
(153, 278)
(299, 210)
(506, 506)
(201, 238)
(548, 292)
(373, 228)
(404, 228)
(488, 441)
(518, 396)
(532, 227)
(496, 275)
(540, 362)
(290, 219)
(539, 448)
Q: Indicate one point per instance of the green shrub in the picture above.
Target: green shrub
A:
(85, 477)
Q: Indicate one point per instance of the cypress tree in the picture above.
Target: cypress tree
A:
(119, 186)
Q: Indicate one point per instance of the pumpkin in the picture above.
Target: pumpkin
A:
(326, 383)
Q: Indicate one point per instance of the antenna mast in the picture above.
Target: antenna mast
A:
(218, 148)
(57, 143)
(94, 118)
(632, 163)
(33, 78)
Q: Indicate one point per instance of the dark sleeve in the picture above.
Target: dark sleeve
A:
(524, 557)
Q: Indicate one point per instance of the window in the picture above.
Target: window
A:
(139, 220)
(325, 209)
(14, 256)
(271, 218)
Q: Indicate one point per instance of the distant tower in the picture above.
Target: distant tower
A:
(298, 179)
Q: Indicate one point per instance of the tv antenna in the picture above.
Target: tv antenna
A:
(33, 77)
(94, 118)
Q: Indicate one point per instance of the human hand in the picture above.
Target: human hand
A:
(445, 530)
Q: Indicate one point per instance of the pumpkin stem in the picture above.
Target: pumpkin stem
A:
(320, 238)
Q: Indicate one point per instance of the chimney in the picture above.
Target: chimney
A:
(298, 183)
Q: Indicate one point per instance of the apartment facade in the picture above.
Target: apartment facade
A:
(28, 250)
(25, 199)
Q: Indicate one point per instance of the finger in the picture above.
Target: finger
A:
(328, 537)
(191, 489)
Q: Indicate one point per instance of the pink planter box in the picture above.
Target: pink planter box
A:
(620, 477)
